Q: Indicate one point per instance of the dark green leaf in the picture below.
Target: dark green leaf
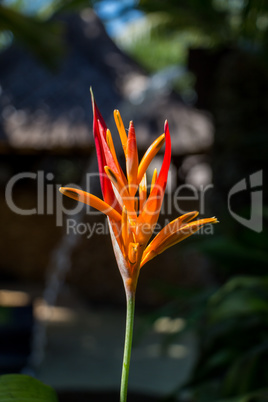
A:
(23, 388)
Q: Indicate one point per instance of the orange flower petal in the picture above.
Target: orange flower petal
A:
(149, 155)
(133, 252)
(142, 192)
(170, 229)
(136, 203)
(91, 200)
(110, 144)
(153, 180)
(109, 158)
(121, 129)
(161, 242)
(153, 204)
(122, 190)
(148, 217)
(125, 230)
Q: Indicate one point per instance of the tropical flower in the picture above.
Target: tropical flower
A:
(132, 215)
(132, 212)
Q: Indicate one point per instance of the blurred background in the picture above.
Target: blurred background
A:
(201, 330)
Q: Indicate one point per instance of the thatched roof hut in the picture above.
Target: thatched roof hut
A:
(41, 109)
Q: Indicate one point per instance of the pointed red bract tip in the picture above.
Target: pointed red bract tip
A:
(163, 174)
(132, 161)
(99, 133)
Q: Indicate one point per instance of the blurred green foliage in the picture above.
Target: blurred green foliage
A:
(231, 324)
(221, 19)
(169, 28)
(39, 33)
(155, 52)
(41, 37)
(234, 344)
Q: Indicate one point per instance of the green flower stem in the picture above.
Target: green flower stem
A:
(128, 346)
